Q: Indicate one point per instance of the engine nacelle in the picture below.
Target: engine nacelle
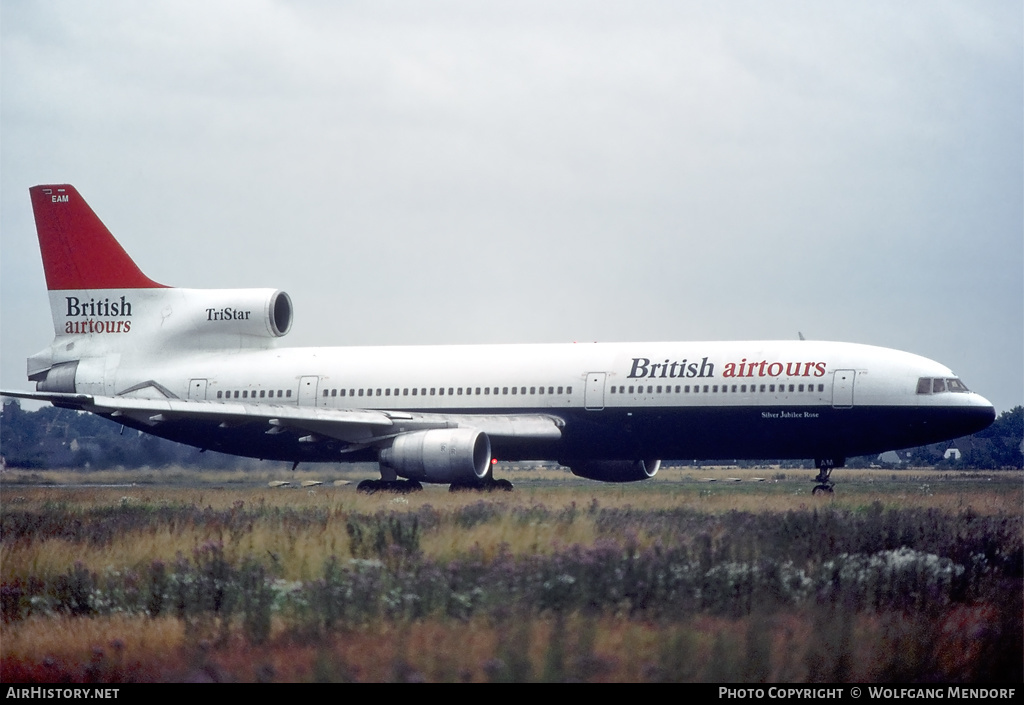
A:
(255, 313)
(616, 470)
(214, 319)
(440, 455)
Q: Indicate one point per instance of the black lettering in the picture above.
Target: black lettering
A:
(639, 367)
(707, 369)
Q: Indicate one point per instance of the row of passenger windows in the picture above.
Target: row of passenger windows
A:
(264, 394)
(621, 389)
(713, 388)
(441, 391)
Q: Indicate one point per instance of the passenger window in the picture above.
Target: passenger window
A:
(568, 390)
(560, 390)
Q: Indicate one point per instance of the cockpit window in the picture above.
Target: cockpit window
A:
(955, 385)
(928, 385)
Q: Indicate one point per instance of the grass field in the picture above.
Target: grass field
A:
(169, 575)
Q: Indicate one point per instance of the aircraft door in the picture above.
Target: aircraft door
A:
(307, 390)
(842, 388)
(197, 390)
(594, 393)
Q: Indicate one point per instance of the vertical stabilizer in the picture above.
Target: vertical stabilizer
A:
(78, 250)
(108, 316)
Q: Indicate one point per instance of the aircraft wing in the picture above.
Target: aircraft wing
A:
(363, 427)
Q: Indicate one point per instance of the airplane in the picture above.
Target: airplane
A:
(203, 367)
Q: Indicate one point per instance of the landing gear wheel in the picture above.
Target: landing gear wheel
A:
(828, 489)
(489, 485)
(396, 486)
(367, 486)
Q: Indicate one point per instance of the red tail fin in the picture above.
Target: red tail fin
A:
(78, 250)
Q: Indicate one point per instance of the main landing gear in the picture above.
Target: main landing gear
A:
(488, 485)
(407, 486)
(396, 486)
(825, 468)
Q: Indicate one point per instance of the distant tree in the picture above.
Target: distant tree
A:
(61, 438)
(1000, 445)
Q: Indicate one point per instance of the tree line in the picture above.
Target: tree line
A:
(61, 438)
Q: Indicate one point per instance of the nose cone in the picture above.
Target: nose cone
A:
(979, 415)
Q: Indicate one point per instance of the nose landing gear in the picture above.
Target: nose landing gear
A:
(825, 467)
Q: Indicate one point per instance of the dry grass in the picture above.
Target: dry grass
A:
(301, 556)
(548, 512)
(782, 648)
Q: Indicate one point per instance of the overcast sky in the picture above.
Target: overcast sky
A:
(467, 172)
